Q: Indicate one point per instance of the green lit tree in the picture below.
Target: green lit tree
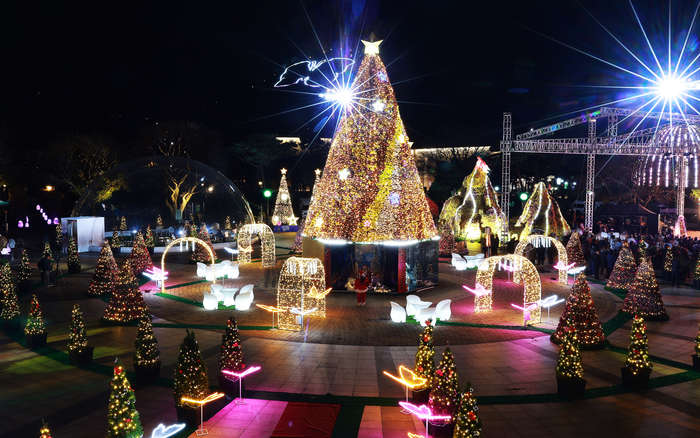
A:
(47, 253)
(122, 416)
(191, 380)
(35, 323)
(444, 391)
(105, 276)
(149, 240)
(139, 258)
(638, 362)
(569, 364)
(146, 354)
(622, 275)
(116, 240)
(25, 270)
(73, 257)
(77, 338)
(468, 421)
(425, 356)
(231, 355)
(644, 297)
(574, 250)
(127, 301)
(10, 308)
(580, 311)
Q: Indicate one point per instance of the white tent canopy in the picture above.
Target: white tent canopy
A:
(87, 231)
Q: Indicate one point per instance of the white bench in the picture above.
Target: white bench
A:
(458, 262)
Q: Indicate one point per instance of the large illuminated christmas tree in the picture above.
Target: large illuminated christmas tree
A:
(444, 391)
(425, 356)
(10, 308)
(127, 302)
(191, 379)
(468, 423)
(623, 273)
(370, 190)
(200, 253)
(580, 311)
(139, 258)
(644, 298)
(122, 416)
(283, 213)
(105, 276)
(474, 207)
(574, 251)
(542, 212)
(638, 351)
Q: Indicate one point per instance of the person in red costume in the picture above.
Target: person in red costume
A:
(361, 285)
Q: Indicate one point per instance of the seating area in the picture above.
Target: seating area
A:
(467, 262)
(421, 310)
(229, 296)
(225, 269)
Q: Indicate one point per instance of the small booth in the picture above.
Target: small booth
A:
(301, 292)
(87, 231)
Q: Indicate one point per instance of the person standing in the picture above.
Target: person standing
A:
(44, 266)
(361, 285)
(486, 242)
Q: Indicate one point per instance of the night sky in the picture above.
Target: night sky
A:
(114, 66)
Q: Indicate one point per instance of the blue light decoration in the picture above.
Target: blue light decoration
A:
(382, 76)
(394, 198)
(314, 73)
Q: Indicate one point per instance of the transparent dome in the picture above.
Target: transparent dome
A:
(175, 188)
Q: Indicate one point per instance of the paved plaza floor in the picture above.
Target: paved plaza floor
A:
(342, 358)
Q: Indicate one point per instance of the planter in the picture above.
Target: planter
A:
(82, 357)
(696, 362)
(24, 286)
(190, 416)
(145, 374)
(441, 430)
(571, 389)
(230, 387)
(420, 397)
(640, 382)
(35, 342)
(11, 325)
(74, 269)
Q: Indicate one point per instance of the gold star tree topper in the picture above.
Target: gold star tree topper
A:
(372, 48)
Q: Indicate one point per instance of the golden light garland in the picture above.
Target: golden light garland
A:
(298, 278)
(192, 240)
(530, 276)
(267, 240)
(533, 239)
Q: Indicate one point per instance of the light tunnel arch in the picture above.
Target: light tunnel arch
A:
(187, 239)
(532, 284)
(540, 239)
(267, 240)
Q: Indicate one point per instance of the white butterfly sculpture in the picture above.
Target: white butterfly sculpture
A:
(164, 432)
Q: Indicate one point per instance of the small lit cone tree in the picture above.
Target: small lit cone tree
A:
(59, 235)
(227, 223)
(35, 323)
(447, 241)
(200, 253)
(24, 274)
(444, 391)
(580, 311)
(116, 242)
(139, 258)
(468, 423)
(298, 239)
(425, 356)
(10, 308)
(574, 250)
(370, 190)
(44, 431)
(149, 240)
(542, 212)
(105, 276)
(146, 355)
(668, 262)
(569, 369)
(622, 275)
(478, 206)
(230, 358)
(191, 378)
(122, 416)
(127, 301)
(696, 273)
(122, 224)
(73, 257)
(638, 362)
(644, 298)
(47, 253)
(283, 204)
(77, 338)
(159, 222)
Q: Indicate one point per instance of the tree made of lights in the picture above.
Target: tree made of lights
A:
(476, 205)
(444, 391)
(146, 353)
(191, 380)
(542, 212)
(116, 240)
(370, 190)
(73, 257)
(105, 276)
(47, 253)
(24, 273)
(644, 298)
(139, 258)
(127, 301)
(579, 311)
(574, 250)
(283, 213)
(447, 240)
(201, 254)
(468, 423)
(159, 222)
(638, 362)
(10, 307)
(149, 240)
(35, 323)
(77, 338)
(122, 225)
(569, 363)
(425, 356)
(623, 273)
(231, 355)
(122, 416)
(44, 431)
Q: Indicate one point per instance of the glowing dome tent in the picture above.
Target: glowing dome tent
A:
(175, 188)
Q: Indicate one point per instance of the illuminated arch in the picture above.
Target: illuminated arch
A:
(187, 239)
(538, 239)
(533, 285)
(245, 247)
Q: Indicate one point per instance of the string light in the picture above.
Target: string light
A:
(623, 272)
(579, 313)
(8, 295)
(126, 303)
(193, 240)
(267, 240)
(644, 297)
(539, 240)
(638, 351)
(105, 274)
(298, 277)
(552, 221)
(35, 323)
(77, 338)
